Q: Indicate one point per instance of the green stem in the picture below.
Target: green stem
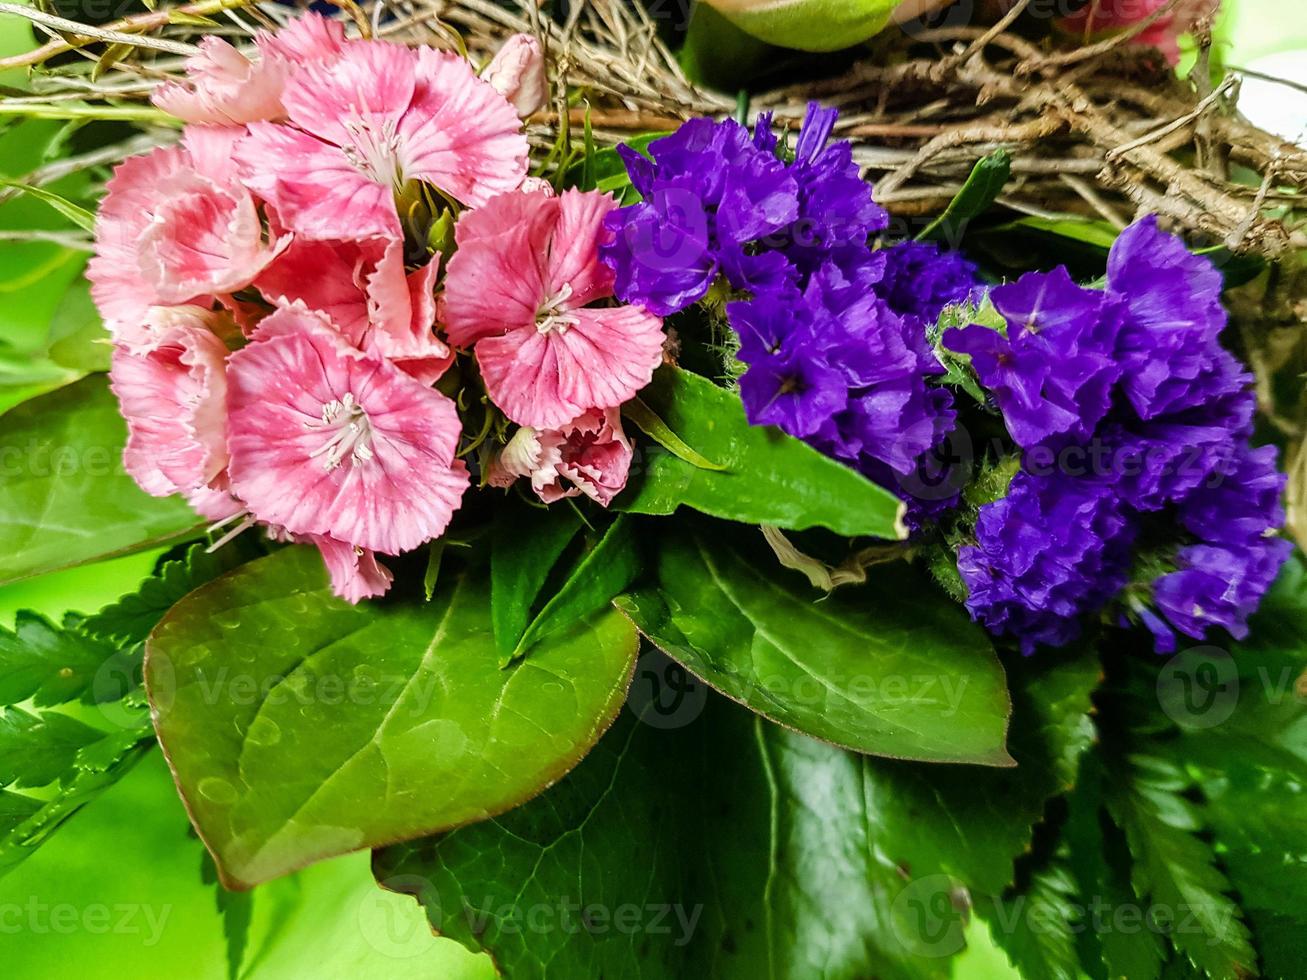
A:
(50, 110)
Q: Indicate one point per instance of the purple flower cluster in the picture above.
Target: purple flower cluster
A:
(1048, 551)
(1135, 372)
(835, 349)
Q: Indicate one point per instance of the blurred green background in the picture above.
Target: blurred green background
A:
(119, 891)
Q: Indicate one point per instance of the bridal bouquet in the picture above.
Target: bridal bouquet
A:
(467, 432)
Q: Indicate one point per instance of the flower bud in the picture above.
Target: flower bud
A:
(518, 74)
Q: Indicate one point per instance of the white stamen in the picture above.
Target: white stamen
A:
(553, 313)
(235, 532)
(352, 435)
(374, 150)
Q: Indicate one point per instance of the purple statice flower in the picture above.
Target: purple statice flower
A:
(1052, 372)
(798, 344)
(1168, 343)
(709, 193)
(1125, 397)
(1215, 586)
(1241, 500)
(920, 279)
(828, 359)
(837, 213)
(1220, 581)
(1052, 551)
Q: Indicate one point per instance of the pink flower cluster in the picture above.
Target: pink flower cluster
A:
(279, 337)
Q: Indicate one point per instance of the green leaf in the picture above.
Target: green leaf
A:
(130, 620)
(300, 727)
(982, 188)
(605, 170)
(1099, 234)
(1035, 928)
(525, 543)
(761, 852)
(96, 767)
(64, 497)
(236, 909)
(770, 477)
(35, 750)
(1251, 765)
(891, 668)
(1175, 868)
(603, 571)
(1116, 940)
(14, 809)
(78, 340)
(727, 848)
(49, 664)
(75, 213)
(648, 422)
(808, 25)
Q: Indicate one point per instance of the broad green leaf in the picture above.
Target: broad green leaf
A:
(728, 848)
(47, 663)
(64, 497)
(299, 726)
(769, 477)
(36, 749)
(78, 339)
(761, 852)
(892, 668)
(602, 572)
(982, 188)
(525, 543)
(810, 25)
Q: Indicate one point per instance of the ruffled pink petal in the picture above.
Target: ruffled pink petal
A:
(307, 39)
(314, 188)
(204, 240)
(214, 502)
(125, 213)
(157, 321)
(212, 151)
(173, 398)
(589, 455)
(223, 86)
(356, 100)
(460, 134)
(402, 310)
(355, 572)
(574, 249)
(329, 277)
(546, 380)
(595, 457)
(521, 373)
(609, 355)
(388, 484)
(495, 280)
